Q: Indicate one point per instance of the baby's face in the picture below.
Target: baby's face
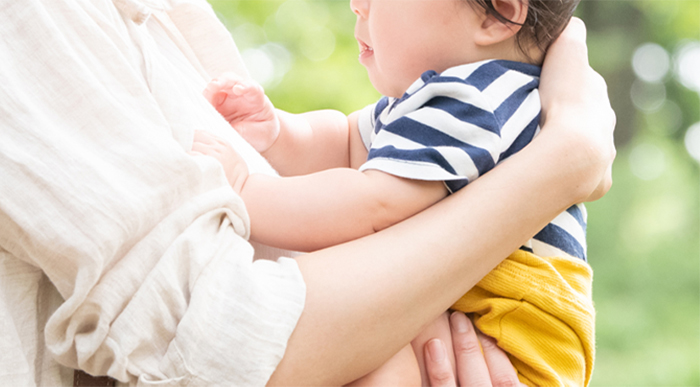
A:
(401, 39)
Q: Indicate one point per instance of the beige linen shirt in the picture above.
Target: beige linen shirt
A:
(120, 254)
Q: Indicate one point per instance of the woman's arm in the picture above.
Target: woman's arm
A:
(368, 298)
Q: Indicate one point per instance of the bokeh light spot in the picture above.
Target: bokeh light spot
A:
(648, 97)
(647, 161)
(651, 62)
(692, 141)
(318, 44)
(688, 65)
(666, 120)
(248, 35)
(260, 65)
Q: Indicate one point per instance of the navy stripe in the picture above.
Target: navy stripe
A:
(482, 77)
(559, 238)
(420, 133)
(575, 211)
(456, 185)
(430, 137)
(427, 155)
(482, 158)
(428, 75)
(379, 107)
(523, 139)
(514, 101)
(525, 68)
(444, 79)
(466, 112)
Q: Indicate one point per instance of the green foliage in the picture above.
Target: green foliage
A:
(323, 71)
(643, 236)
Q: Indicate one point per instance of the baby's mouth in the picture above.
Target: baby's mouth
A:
(365, 50)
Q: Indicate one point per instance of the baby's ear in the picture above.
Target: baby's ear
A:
(493, 30)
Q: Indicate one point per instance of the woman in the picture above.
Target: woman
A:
(122, 255)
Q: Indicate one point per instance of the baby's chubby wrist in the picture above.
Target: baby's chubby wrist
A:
(265, 138)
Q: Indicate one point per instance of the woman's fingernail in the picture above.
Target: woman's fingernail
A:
(437, 350)
(459, 322)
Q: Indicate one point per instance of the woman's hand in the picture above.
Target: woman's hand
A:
(474, 368)
(575, 97)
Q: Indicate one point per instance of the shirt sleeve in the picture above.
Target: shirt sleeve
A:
(145, 246)
(443, 132)
(366, 122)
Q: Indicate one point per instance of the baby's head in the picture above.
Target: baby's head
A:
(401, 39)
(545, 20)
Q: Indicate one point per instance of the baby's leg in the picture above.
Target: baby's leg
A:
(440, 328)
(400, 370)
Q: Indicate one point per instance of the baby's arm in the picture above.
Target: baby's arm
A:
(294, 144)
(322, 209)
(310, 212)
(314, 141)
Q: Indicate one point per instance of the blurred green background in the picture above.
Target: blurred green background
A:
(644, 236)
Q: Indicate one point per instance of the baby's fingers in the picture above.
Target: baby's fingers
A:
(201, 136)
(214, 93)
(218, 88)
(249, 90)
(200, 149)
(208, 144)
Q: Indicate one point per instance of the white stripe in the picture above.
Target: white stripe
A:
(461, 71)
(527, 111)
(457, 158)
(384, 115)
(569, 224)
(415, 85)
(465, 70)
(386, 138)
(542, 249)
(463, 131)
(365, 125)
(584, 211)
(460, 161)
(503, 87)
(459, 91)
(408, 169)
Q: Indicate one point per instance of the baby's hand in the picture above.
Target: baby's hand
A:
(235, 167)
(245, 106)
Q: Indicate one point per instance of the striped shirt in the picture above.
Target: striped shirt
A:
(457, 125)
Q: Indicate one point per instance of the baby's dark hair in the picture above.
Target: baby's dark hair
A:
(545, 20)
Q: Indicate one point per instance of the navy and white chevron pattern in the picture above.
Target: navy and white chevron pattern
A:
(457, 125)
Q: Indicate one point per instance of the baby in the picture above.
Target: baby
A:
(460, 82)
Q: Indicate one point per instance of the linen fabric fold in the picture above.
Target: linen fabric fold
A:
(121, 254)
